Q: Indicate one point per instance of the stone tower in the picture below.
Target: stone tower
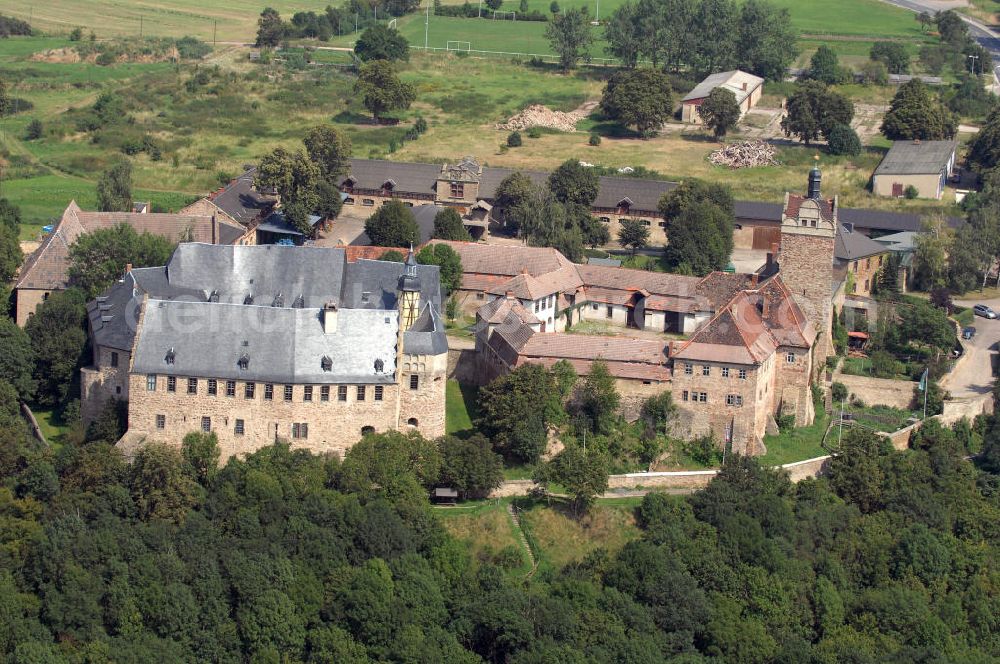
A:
(409, 294)
(805, 259)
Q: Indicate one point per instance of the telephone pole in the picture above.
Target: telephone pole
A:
(215, 28)
(427, 24)
(140, 27)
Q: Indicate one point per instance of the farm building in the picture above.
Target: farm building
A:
(923, 165)
(747, 88)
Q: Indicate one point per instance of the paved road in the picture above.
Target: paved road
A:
(987, 38)
(974, 374)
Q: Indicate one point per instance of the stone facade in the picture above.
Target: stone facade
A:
(862, 274)
(805, 261)
(106, 379)
(26, 300)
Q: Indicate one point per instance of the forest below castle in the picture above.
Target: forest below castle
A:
(287, 556)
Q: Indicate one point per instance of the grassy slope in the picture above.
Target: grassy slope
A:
(485, 529)
(460, 407)
(562, 538)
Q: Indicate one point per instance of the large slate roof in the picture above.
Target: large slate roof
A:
(917, 158)
(208, 339)
(241, 201)
(268, 277)
(851, 245)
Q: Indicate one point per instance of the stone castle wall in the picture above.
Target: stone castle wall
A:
(805, 263)
(102, 382)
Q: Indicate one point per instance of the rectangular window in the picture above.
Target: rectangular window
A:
(414, 382)
(230, 388)
(368, 202)
(268, 391)
(743, 374)
(324, 393)
(684, 395)
(457, 190)
(361, 392)
(307, 393)
(790, 358)
(213, 387)
(734, 400)
(610, 312)
(288, 392)
(192, 386)
(341, 393)
(596, 306)
(480, 296)
(300, 430)
(706, 370)
(114, 359)
(725, 372)
(171, 384)
(703, 397)
(151, 382)
(536, 307)
(688, 369)
(239, 428)
(378, 392)
(206, 424)
(161, 421)
(249, 390)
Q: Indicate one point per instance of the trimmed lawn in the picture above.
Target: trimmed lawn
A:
(796, 444)
(52, 427)
(460, 408)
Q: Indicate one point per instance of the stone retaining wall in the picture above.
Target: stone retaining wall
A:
(883, 391)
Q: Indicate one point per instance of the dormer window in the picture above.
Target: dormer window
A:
(299, 302)
(244, 362)
(366, 297)
(170, 356)
(214, 297)
(279, 300)
(389, 185)
(326, 363)
(248, 299)
(379, 366)
(348, 181)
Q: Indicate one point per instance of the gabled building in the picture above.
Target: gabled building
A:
(923, 165)
(746, 88)
(46, 270)
(260, 343)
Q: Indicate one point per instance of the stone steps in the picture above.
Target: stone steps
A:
(524, 540)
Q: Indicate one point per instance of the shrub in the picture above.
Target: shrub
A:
(106, 58)
(910, 192)
(786, 421)
(192, 48)
(76, 34)
(844, 140)
(702, 449)
(534, 132)
(514, 139)
(420, 125)
(839, 392)
(595, 140)
(34, 130)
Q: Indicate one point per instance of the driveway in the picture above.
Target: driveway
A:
(973, 375)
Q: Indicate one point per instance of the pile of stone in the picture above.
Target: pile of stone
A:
(746, 154)
(537, 115)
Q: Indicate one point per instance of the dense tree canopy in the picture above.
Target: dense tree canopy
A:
(99, 258)
(270, 30)
(917, 113)
(449, 262)
(59, 341)
(699, 219)
(825, 67)
(330, 149)
(633, 235)
(984, 149)
(516, 409)
(11, 255)
(893, 55)
(573, 182)
(392, 225)
(569, 36)
(640, 98)
(720, 112)
(114, 188)
(448, 225)
(814, 110)
(382, 43)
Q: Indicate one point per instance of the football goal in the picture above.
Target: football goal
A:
(503, 16)
(458, 46)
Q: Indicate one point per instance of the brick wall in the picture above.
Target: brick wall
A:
(101, 382)
(805, 262)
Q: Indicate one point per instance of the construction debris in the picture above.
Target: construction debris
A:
(537, 115)
(746, 154)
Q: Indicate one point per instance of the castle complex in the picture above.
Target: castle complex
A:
(260, 343)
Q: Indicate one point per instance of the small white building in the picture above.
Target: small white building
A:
(747, 88)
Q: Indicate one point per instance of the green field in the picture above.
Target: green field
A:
(237, 19)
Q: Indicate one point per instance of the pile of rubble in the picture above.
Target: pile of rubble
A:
(537, 115)
(746, 154)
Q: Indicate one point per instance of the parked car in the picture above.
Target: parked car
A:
(968, 333)
(984, 311)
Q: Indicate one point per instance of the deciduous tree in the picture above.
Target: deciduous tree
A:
(392, 225)
(569, 35)
(516, 409)
(893, 55)
(633, 234)
(447, 260)
(720, 112)
(825, 67)
(270, 29)
(382, 90)
(114, 188)
(97, 259)
(448, 226)
(330, 149)
(916, 113)
(640, 98)
(572, 182)
(598, 398)
(470, 466)
(583, 474)
(382, 43)
(814, 110)
(58, 339)
(17, 359)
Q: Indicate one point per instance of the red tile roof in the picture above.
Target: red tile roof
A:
(795, 201)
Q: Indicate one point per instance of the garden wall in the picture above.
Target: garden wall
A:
(881, 391)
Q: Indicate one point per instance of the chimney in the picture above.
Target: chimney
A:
(766, 309)
(329, 318)
(215, 230)
(753, 279)
(744, 86)
(509, 295)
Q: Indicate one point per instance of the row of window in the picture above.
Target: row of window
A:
(545, 303)
(644, 222)
(735, 400)
(706, 370)
(299, 430)
(250, 389)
